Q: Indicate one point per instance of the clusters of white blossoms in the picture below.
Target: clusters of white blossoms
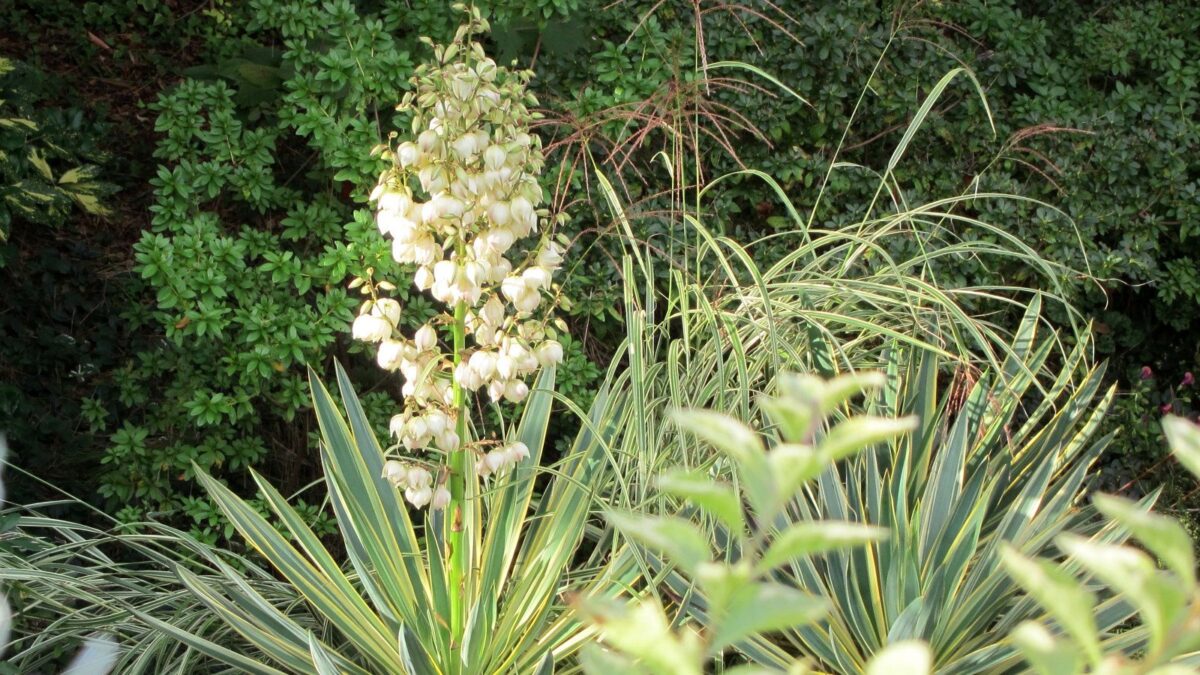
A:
(456, 203)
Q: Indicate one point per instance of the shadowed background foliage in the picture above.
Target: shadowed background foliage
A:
(175, 329)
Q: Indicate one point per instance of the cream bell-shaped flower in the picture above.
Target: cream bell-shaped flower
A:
(515, 452)
(408, 154)
(549, 353)
(483, 363)
(425, 338)
(515, 391)
(418, 497)
(395, 473)
(390, 354)
(477, 167)
(371, 328)
(467, 377)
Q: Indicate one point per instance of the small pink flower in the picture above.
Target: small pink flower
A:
(1166, 408)
(1147, 373)
(1188, 380)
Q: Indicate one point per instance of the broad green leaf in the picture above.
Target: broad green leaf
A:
(741, 444)
(1047, 655)
(1161, 534)
(764, 608)
(678, 539)
(724, 432)
(597, 660)
(858, 433)
(1063, 598)
(720, 582)
(812, 538)
(716, 498)
(643, 632)
(1131, 572)
(1184, 438)
(843, 387)
(794, 421)
(909, 657)
(793, 465)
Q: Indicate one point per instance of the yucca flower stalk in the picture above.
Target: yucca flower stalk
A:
(457, 201)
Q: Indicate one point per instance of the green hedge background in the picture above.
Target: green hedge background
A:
(236, 137)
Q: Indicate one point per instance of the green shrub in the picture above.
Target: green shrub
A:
(999, 461)
(743, 600)
(1163, 591)
(251, 241)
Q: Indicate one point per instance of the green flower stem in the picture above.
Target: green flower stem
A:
(458, 473)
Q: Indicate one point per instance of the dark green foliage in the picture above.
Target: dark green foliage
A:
(262, 162)
(44, 174)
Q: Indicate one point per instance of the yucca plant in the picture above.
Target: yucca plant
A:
(388, 612)
(995, 462)
(1166, 594)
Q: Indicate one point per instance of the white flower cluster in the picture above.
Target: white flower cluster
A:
(456, 203)
(500, 459)
(417, 484)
